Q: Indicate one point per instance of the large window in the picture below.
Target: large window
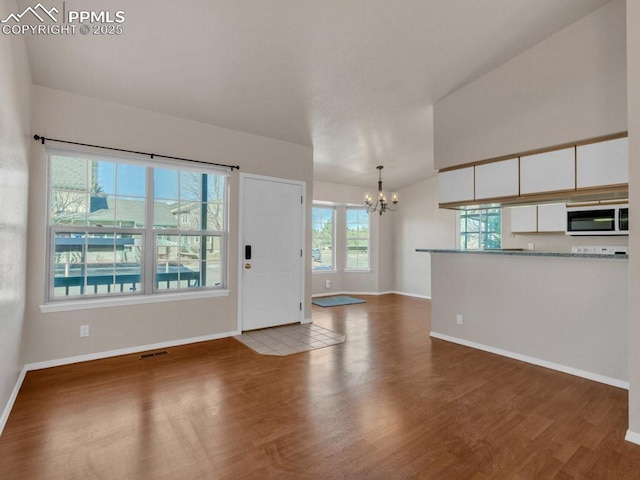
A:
(118, 227)
(481, 229)
(323, 238)
(357, 238)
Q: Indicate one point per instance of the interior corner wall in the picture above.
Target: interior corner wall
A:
(15, 97)
(57, 114)
(420, 223)
(569, 87)
(633, 76)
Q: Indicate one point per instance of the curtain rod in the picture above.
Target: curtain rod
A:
(42, 139)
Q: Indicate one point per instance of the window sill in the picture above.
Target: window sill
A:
(321, 270)
(87, 304)
(357, 270)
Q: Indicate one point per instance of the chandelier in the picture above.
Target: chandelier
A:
(381, 204)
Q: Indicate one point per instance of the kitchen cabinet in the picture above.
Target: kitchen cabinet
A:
(603, 163)
(548, 172)
(456, 185)
(539, 219)
(552, 217)
(497, 179)
(524, 219)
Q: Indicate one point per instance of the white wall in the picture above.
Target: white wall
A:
(419, 223)
(571, 86)
(15, 86)
(633, 81)
(67, 116)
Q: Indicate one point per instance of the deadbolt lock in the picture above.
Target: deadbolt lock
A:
(247, 265)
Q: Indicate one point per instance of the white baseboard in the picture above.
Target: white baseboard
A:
(415, 295)
(632, 437)
(125, 351)
(329, 294)
(12, 399)
(535, 361)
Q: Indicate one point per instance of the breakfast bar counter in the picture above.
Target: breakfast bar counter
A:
(564, 311)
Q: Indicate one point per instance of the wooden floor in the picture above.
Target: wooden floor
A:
(389, 403)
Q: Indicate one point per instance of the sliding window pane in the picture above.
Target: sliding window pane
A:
(104, 173)
(190, 186)
(132, 180)
(69, 207)
(215, 188)
(130, 212)
(166, 184)
(215, 216)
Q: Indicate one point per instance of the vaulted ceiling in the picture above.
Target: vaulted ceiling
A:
(354, 79)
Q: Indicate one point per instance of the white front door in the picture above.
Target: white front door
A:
(271, 246)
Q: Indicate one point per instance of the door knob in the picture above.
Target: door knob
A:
(247, 265)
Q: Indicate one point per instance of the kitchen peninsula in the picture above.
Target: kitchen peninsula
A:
(563, 311)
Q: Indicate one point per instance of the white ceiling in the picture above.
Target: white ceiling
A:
(355, 79)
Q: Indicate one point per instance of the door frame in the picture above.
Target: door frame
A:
(303, 223)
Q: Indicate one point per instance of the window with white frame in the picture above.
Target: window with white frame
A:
(119, 226)
(357, 232)
(481, 229)
(323, 238)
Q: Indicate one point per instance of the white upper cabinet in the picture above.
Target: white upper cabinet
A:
(548, 172)
(603, 163)
(497, 179)
(540, 218)
(456, 185)
(524, 219)
(552, 217)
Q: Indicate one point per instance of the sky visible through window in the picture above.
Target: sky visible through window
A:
(130, 181)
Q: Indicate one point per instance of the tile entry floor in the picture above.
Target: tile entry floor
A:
(290, 339)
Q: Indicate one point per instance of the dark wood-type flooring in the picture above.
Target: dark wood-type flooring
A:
(390, 403)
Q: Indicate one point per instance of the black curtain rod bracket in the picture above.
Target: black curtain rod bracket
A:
(42, 139)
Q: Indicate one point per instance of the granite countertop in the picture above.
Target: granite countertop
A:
(524, 253)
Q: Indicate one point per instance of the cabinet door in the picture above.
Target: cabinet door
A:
(552, 217)
(455, 185)
(497, 179)
(548, 172)
(524, 219)
(603, 163)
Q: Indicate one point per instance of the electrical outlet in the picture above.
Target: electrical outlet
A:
(327, 284)
(459, 319)
(84, 330)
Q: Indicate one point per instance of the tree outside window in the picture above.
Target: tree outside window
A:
(357, 238)
(323, 238)
(481, 229)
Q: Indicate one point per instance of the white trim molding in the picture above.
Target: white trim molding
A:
(632, 437)
(614, 382)
(12, 399)
(124, 300)
(126, 351)
(415, 295)
(328, 294)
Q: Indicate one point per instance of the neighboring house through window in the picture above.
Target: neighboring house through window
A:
(122, 227)
(481, 229)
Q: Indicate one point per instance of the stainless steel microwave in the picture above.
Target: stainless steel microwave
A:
(598, 220)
